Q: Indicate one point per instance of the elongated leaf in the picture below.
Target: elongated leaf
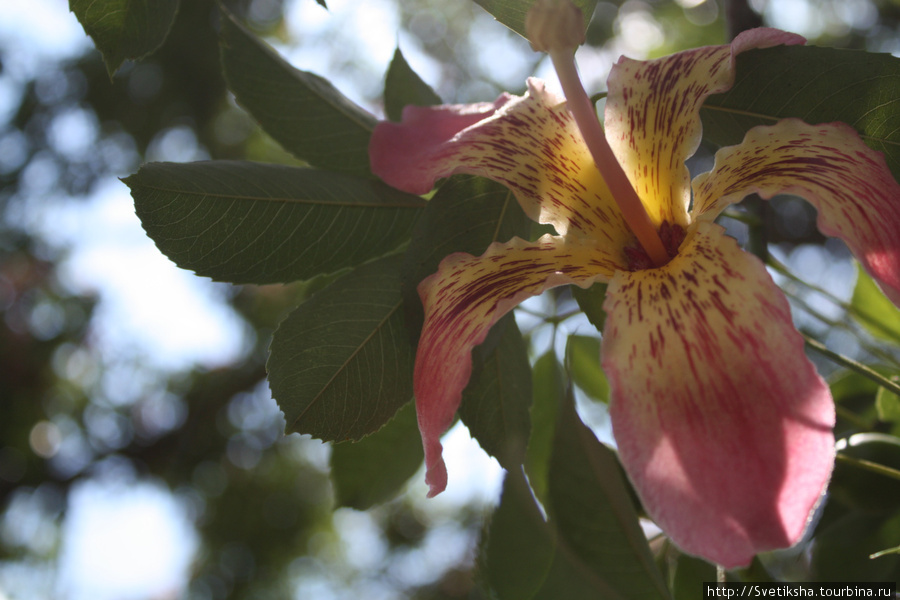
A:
(689, 573)
(523, 558)
(873, 310)
(512, 12)
(403, 87)
(256, 223)
(817, 85)
(519, 546)
(496, 402)
(340, 365)
(590, 301)
(302, 111)
(570, 578)
(593, 513)
(466, 214)
(549, 390)
(841, 552)
(864, 489)
(123, 29)
(583, 364)
(373, 470)
(528, 558)
(888, 406)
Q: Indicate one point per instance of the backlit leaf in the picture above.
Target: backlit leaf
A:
(873, 310)
(818, 85)
(374, 469)
(583, 364)
(590, 301)
(403, 87)
(888, 405)
(496, 402)
(256, 223)
(549, 390)
(340, 365)
(592, 511)
(512, 12)
(305, 113)
(519, 546)
(592, 545)
(125, 29)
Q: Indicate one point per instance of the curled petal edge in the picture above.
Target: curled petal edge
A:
(850, 184)
(652, 115)
(463, 300)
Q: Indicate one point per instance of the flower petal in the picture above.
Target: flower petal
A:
(653, 116)
(529, 143)
(399, 153)
(721, 421)
(462, 301)
(849, 184)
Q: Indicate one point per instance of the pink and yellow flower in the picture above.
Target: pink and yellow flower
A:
(721, 422)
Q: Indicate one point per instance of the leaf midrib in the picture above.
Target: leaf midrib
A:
(224, 196)
(318, 396)
(622, 512)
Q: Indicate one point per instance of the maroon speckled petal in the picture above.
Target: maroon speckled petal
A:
(850, 185)
(462, 301)
(530, 144)
(722, 423)
(653, 116)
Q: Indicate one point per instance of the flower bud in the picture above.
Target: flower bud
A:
(554, 25)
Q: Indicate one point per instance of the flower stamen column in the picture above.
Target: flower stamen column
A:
(556, 27)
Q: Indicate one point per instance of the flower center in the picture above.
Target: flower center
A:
(671, 236)
(557, 28)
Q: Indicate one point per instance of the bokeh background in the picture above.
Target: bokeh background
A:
(141, 454)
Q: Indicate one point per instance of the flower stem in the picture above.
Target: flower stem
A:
(852, 365)
(869, 465)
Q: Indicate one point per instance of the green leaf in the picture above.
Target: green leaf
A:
(841, 552)
(592, 511)
(888, 405)
(873, 310)
(583, 364)
(403, 87)
(466, 214)
(549, 390)
(512, 12)
(255, 223)
(519, 547)
(374, 470)
(496, 402)
(591, 547)
(522, 557)
(340, 365)
(590, 301)
(818, 85)
(860, 488)
(125, 29)
(689, 573)
(302, 111)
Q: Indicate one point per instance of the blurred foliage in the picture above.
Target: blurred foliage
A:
(262, 502)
